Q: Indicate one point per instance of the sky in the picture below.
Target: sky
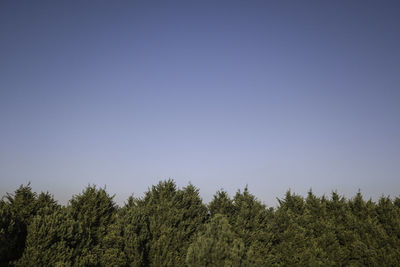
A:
(275, 95)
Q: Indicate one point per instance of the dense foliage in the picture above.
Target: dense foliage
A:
(173, 227)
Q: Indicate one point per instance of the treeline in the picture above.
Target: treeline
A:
(170, 226)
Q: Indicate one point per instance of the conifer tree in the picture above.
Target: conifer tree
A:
(216, 246)
(128, 239)
(290, 244)
(11, 233)
(221, 204)
(51, 240)
(94, 210)
(19, 209)
(251, 222)
(174, 216)
(172, 227)
(388, 215)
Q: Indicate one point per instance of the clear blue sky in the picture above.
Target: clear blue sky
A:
(273, 94)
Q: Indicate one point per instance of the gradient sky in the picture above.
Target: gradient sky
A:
(273, 94)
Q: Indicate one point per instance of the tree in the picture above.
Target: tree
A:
(170, 226)
(216, 246)
(251, 221)
(12, 231)
(51, 240)
(174, 216)
(221, 204)
(127, 242)
(94, 210)
(17, 210)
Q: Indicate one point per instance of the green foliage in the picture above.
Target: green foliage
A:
(94, 211)
(174, 216)
(18, 210)
(221, 204)
(11, 232)
(250, 221)
(51, 240)
(170, 226)
(128, 239)
(216, 246)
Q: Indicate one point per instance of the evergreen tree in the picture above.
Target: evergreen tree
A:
(291, 246)
(127, 242)
(251, 222)
(18, 210)
(12, 230)
(221, 204)
(216, 246)
(51, 240)
(172, 227)
(174, 216)
(45, 204)
(94, 210)
(388, 215)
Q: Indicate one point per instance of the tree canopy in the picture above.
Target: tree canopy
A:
(171, 226)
